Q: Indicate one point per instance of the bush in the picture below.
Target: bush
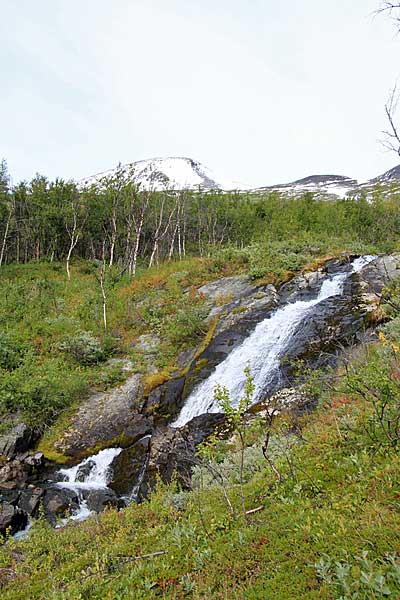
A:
(11, 352)
(82, 347)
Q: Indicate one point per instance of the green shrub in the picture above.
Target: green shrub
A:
(11, 352)
(83, 347)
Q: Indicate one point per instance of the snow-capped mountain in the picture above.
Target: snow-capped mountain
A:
(391, 176)
(169, 173)
(178, 173)
(320, 185)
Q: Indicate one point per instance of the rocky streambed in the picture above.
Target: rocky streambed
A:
(119, 441)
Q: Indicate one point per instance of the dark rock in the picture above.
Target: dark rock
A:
(128, 466)
(30, 499)
(98, 500)
(35, 461)
(57, 502)
(164, 402)
(10, 496)
(18, 440)
(11, 518)
(84, 470)
(172, 451)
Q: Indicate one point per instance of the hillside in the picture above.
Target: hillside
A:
(222, 418)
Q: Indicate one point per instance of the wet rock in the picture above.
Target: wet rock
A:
(10, 496)
(30, 499)
(172, 451)
(11, 518)
(128, 466)
(84, 470)
(165, 401)
(57, 502)
(19, 439)
(99, 500)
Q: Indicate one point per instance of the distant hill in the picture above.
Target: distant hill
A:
(186, 173)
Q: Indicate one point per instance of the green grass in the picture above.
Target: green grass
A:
(341, 501)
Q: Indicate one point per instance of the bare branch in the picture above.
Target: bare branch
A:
(391, 139)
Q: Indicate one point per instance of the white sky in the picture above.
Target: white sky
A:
(261, 91)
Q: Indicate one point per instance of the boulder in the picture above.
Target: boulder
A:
(57, 502)
(128, 466)
(29, 500)
(12, 519)
(84, 470)
(99, 500)
(19, 439)
(109, 418)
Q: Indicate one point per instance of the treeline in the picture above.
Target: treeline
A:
(116, 222)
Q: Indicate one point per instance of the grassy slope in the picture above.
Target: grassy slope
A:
(342, 501)
(342, 496)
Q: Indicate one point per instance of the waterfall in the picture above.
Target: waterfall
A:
(261, 351)
(93, 473)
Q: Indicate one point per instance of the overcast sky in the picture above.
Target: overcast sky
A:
(262, 92)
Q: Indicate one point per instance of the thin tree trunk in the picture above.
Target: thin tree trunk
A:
(3, 246)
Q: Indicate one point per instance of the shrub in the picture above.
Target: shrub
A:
(11, 352)
(82, 347)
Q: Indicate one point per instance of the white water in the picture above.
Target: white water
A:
(261, 351)
(96, 479)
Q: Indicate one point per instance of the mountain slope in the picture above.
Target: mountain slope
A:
(170, 172)
(321, 185)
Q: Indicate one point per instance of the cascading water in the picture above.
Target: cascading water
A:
(262, 351)
(93, 473)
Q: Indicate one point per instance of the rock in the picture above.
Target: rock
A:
(148, 343)
(35, 461)
(227, 289)
(128, 466)
(18, 439)
(109, 418)
(11, 518)
(29, 500)
(165, 401)
(84, 470)
(57, 502)
(10, 496)
(14, 474)
(376, 275)
(99, 500)
(172, 451)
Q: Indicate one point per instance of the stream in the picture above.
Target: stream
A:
(262, 351)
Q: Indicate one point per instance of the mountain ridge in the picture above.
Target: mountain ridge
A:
(179, 172)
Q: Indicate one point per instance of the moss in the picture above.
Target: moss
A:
(155, 380)
(54, 433)
(317, 263)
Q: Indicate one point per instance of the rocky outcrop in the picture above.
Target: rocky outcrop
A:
(12, 519)
(15, 472)
(106, 419)
(19, 439)
(128, 465)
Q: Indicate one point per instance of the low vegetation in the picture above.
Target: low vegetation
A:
(327, 528)
(293, 506)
